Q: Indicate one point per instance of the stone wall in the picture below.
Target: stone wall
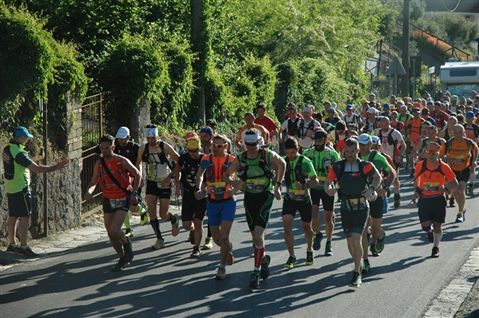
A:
(64, 187)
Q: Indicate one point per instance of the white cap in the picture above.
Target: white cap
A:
(376, 140)
(364, 139)
(307, 109)
(371, 110)
(122, 133)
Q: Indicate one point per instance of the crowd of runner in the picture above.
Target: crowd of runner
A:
(355, 157)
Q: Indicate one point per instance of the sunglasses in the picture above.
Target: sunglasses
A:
(434, 153)
(219, 146)
(193, 150)
(250, 144)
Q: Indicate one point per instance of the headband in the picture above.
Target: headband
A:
(251, 138)
(207, 130)
(152, 132)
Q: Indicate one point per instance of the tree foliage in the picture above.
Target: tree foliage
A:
(451, 26)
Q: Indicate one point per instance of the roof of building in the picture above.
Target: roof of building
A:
(462, 6)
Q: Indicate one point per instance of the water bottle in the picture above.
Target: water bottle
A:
(373, 197)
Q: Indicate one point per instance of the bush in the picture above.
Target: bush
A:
(135, 69)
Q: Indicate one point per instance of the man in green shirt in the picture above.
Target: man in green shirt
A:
(17, 164)
(322, 158)
(300, 177)
(376, 208)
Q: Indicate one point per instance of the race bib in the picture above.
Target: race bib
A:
(118, 203)
(298, 195)
(256, 185)
(356, 204)
(217, 187)
(460, 158)
(431, 186)
(321, 181)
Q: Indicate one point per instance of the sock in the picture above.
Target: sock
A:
(140, 209)
(258, 257)
(222, 266)
(209, 231)
(437, 238)
(24, 246)
(172, 219)
(127, 220)
(155, 224)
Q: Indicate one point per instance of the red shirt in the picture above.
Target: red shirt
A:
(267, 122)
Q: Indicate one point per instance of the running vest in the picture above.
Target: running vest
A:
(256, 173)
(352, 184)
(391, 141)
(109, 188)
(157, 169)
(413, 128)
(17, 177)
(293, 129)
(214, 176)
(129, 151)
(321, 163)
(302, 131)
(460, 151)
(189, 168)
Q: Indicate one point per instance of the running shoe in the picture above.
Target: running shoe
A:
(430, 236)
(221, 273)
(28, 252)
(122, 263)
(129, 232)
(317, 241)
(254, 281)
(328, 251)
(451, 202)
(435, 252)
(175, 227)
(128, 251)
(160, 243)
(13, 249)
(196, 252)
(231, 258)
(411, 174)
(397, 200)
(460, 218)
(143, 218)
(291, 262)
(208, 244)
(372, 248)
(309, 258)
(264, 273)
(191, 238)
(356, 280)
(366, 267)
(380, 243)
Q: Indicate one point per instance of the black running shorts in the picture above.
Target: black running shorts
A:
(354, 221)
(20, 203)
(319, 195)
(432, 209)
(304, 207)
(162, 193)
(258, 208)
(376, 208)
(192, 208)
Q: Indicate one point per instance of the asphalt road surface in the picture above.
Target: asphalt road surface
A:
(167, 283)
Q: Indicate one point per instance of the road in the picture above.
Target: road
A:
(403, 280)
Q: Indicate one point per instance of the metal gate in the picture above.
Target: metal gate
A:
(92, 126)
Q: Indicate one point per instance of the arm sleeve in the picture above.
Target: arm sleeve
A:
(23, 160)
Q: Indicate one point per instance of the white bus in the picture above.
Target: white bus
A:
(460, 78)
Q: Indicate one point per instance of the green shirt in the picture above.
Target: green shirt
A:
(307, 171)
(16, 161)
(256, 180)
(321, 160)
(379, 161)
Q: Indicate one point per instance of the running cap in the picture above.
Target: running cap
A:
(191, 135)
(331, 110)
(122, 133)
(320, 134)
(364, 139)
(433, 147)
(151, 132)
(376, 140)
(207, 130)
(470, 115)
(372, 110)
(21, 131)
(193, 143)
(307, 109)
(386, 106)
(349, 107)
(251, 138)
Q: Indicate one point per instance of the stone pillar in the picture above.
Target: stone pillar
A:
(139, 120)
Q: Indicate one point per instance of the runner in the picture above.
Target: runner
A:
(256, 173)
(472, 132)
(352, 174)
(192, 210)
(206, 136)
(221, 203)
(300, 177)
(419, 150)
(413, 131)
(461, 154)
(249, 120)
(17, 164)
(393, 145)
(377, 207)
(267, 122)
(291, 125)
(307, 126)
(155, 154)
(322, 158)
(351, 117)
(113, 172)
(125, 147)
(430, 177)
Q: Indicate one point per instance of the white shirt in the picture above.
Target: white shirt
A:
(385, 146)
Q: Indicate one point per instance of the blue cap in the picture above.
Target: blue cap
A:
(349, 106)
(22, 131)
(207, 130)
(386, 106)
(470, 115)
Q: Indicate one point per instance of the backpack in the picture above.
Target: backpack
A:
(211, 169)
(327, 157)
(469, 144)
(162, 156)
(297, 171)
(342, 166)
(293, 129)
(301, 127)
(243, 173)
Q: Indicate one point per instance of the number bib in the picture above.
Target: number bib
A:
(255, 185)
(217, 187)
(298, 195)
(431, 186)
(118, 203)
(354, 204)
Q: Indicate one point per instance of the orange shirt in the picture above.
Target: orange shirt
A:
(431, 180)
(413, 128)
(461, 151)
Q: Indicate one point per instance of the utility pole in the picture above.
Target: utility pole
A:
(200, 47)
(405, 48)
